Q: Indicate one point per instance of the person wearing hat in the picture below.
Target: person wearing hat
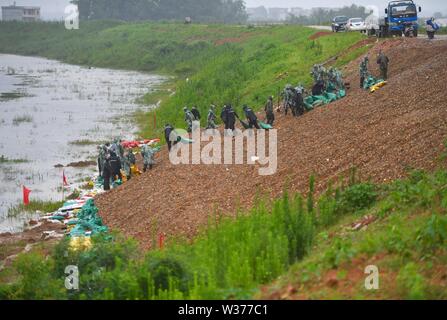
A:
(170, 136)
(251, 117)
(189, 118)
(431, 26)
(270, 115)
(364, 71)
(211, 119)
(383, 61)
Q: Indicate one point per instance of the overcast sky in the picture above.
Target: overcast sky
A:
(54, 9)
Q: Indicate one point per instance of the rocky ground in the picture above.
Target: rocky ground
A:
(384, 134)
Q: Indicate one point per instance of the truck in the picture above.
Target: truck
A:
(401, 18)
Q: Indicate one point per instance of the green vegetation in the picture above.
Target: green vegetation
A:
(22, 119)
(224, 11)
(232, 257)
(209, 63)
(86, 142)
(406, 241)
(38, 205)
(4, 159)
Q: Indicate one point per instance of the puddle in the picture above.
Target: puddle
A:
(45, 107)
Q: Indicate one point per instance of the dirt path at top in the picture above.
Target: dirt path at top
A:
(401, 126)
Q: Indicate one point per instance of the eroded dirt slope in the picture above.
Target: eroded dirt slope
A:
(401, 126)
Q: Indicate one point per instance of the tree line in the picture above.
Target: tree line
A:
(321, 16)
(223, 11)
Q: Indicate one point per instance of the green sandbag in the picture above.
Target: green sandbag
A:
(264, 125)
(330, 96)
(308, 106)
(342, 93)
(309, 100)
(323, 99)
(186, 140)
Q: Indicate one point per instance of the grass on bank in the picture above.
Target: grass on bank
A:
(36, 205)
(4, 159)
(232, 258)
(209, 63)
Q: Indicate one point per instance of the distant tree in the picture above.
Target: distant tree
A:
(225, 11)
(437, 15)
(323, 16)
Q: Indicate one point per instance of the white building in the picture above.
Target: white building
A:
(20, 13)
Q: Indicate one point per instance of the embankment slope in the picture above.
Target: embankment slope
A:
(402, 126)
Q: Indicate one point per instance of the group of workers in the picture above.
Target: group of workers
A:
(228, 116)
(114, 160)
(383, 62)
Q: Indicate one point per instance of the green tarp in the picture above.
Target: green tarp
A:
(88, 220)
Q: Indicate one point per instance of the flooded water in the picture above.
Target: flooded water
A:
(52, 113)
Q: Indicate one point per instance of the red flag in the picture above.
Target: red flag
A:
(161, 241)
(64, 179)
(26, 193)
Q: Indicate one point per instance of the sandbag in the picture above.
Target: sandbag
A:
(264, 125)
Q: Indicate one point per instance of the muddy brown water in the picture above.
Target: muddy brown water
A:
(47, 110)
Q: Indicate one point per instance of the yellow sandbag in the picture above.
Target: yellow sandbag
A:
(80, 243)
(135, 171)
(377, 86)
(123, 174)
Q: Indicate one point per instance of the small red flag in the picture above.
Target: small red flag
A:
(26, 193)
(161, 241)
(64, 179)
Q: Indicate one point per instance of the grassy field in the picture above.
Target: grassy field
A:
(208, 63)
(317, 240)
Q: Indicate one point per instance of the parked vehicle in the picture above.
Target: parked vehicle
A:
(401, 18)
(339, 23)
(356, 24)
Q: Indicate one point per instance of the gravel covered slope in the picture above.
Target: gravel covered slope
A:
(401, 126)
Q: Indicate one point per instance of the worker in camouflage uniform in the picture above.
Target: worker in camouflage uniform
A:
(364, 74)
(270, 115)
(148, 154)
(129, 161)
(189, 118)
(102, 150)
(211, 119)
(315, 73)
(339, 80)
(323, 74)
(288, 98)
(383, 61)
(251, 117)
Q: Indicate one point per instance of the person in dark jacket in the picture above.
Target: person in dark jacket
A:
(107, 173)
(115, 164)
(270, 115)
(228, 117)
(196, 113)
(383, 61)
(318, 88)
(168, 131)
(251, 117)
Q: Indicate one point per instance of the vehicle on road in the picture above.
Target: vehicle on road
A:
(401, 19)
(339, 23)
(356, 24)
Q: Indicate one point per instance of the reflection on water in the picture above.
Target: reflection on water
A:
(46, 107)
